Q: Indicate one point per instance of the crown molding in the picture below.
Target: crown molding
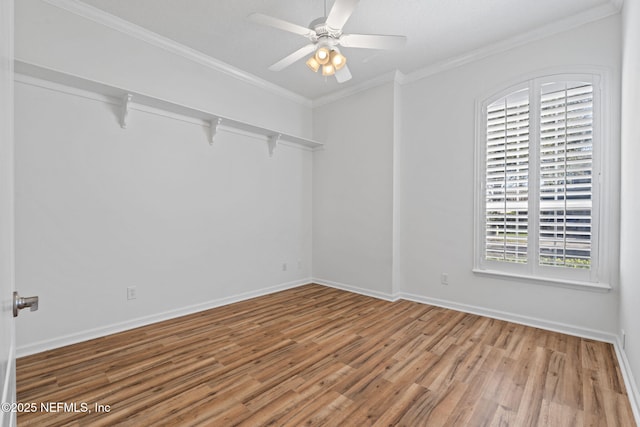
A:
(612, 7)
(99, 16)
(553, 28)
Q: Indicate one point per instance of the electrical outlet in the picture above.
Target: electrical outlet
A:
(132, 292)
(284, 266)
(444, 278)
(299, 265)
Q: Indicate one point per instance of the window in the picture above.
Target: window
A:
(537, 169)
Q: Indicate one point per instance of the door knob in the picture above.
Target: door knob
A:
(23, 302)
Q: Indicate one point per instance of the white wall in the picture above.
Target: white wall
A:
(353, 191)
(437, 169)
(154, 206)
(630, 206)
(100, 208)
(393, 191)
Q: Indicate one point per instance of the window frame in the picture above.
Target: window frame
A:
(596, 277)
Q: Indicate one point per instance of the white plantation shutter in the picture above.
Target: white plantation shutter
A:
(507, 175)
(537, 209)
(566, 159)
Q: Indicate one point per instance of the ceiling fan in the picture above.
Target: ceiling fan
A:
(325, 35)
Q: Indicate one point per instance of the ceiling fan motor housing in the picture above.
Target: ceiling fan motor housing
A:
(323, 31)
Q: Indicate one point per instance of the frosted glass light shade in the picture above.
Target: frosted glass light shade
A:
(337, 59)
(328, 70)
(313, 64)
(322, 55)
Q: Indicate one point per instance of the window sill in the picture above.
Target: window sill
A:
(573, 284)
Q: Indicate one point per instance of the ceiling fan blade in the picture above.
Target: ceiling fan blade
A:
(343, 74)
(295, 56)
(281, 25)
(372, 41)
(340, 13)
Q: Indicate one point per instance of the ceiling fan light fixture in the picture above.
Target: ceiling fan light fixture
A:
(338, 60)
(325, 34)
(322, 55)
(328, 70)
(313, 64)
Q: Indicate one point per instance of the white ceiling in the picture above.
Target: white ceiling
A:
(437, 30)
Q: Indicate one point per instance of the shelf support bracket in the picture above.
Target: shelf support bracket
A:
(124, 110)
(272, 143)
(214, 126)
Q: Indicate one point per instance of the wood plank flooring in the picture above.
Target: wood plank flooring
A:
(320, 356)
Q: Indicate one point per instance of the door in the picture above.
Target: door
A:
(7, 328)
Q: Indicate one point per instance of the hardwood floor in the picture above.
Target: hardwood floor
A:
(320, 356)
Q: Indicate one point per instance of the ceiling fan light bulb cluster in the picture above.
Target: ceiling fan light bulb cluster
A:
(331, 60)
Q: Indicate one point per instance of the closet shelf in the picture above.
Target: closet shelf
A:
(126, 98)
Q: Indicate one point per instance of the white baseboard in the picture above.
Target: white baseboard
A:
(355, 289)
(89, 334)
(629, 380)
(481, 311)
(515, 318)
